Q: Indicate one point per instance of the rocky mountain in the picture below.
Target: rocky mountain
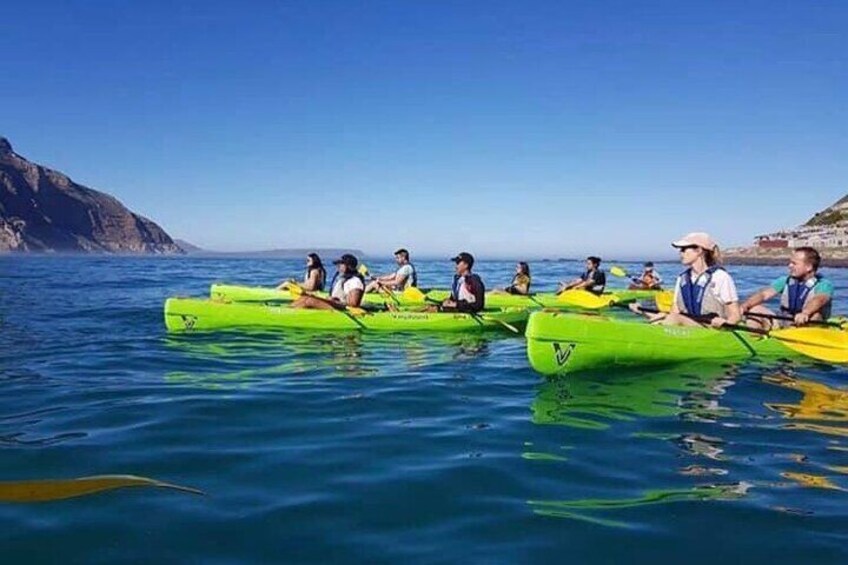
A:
(833, 214)
(43, 210)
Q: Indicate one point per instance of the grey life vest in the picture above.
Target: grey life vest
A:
(696, 297)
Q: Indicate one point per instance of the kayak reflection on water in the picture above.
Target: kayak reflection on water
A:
(595, 401)
(229, 359)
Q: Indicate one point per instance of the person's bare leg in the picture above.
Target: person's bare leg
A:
(372, 286)
(310, 303)
(679, 320)
(757, 322)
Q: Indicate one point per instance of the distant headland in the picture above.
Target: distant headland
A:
(327, 254)
(827, 231)
(42, 210)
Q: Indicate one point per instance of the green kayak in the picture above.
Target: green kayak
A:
(190, 314)
(236, 293)
(559, 343)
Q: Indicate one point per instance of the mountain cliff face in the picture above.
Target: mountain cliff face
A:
(833, 214)
(43, 210)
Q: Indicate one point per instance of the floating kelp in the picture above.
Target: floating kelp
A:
(60, 489)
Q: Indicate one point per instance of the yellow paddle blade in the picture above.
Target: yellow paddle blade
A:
(363, 270)
(356, 311)
(664, 300)
(584, 299)
(43, 491)
(618, 272)
(413, 294)
(824, 344)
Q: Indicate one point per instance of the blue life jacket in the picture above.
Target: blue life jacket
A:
(333, 281)
(796, 293)
(693, 294)
(413, 279)
(457, 282)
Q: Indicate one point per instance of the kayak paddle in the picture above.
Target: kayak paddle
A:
(590, 301)
(664, 300)
(584, 299)
(791, 319)
(819, 343)
(363, 270)
(619, 272)
(350, 311)
(483, 317)
(415, 294)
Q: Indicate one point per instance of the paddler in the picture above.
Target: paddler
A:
(804, 294)
(520, 283)
(347, 288)
(593, 279)
(405, 276)
(315, 277)
(649, 279)
(703, 289)
(468, 293)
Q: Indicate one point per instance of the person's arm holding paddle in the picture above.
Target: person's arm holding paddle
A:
(805, 296)
(759, 297)
(812, 309)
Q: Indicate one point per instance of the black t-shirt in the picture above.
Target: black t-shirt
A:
(598, 278)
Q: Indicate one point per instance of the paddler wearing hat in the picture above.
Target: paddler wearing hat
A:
(346, 288)
(704, 288)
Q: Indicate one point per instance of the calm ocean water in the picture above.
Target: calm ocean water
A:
(369, 448)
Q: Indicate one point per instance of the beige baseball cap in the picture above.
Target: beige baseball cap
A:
(699, 238)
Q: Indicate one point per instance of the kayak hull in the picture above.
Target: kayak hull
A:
(188, 314)
(561, 343)
(237, 293)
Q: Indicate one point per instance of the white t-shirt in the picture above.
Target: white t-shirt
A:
(405, 273)
(722, 286)
(343, 287)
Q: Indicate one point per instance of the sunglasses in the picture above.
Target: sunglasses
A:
(685, 247)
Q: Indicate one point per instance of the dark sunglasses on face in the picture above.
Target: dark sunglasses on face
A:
(685, 247)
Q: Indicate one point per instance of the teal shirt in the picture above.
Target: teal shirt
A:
(823, 286)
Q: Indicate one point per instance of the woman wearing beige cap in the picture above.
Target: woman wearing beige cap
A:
(704, 288)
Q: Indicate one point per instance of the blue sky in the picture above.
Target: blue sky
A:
(505, 128)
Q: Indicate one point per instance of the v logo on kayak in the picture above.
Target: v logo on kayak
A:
(562, 355)
(188, 321)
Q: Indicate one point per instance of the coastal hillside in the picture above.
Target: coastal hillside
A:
(826, 230)
(42, 210)
(836, 214)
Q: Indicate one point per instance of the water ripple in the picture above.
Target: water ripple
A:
(346, 447)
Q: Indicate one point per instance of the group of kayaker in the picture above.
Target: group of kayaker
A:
(704, 293)
(347, 287)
